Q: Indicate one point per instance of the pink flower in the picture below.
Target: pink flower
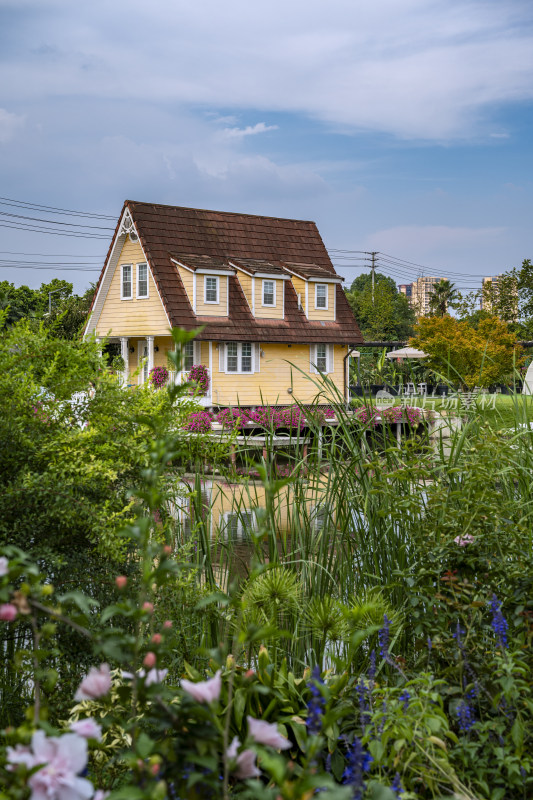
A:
(148, 607)
(150, 660)
(157, 638)
(63, 758)
(204, 691)
(462, 541)
(87, 728)
(100, 795)
(8, 612)
(167, 624)
(20, 754)
(245, 766)
(4, 566)
(267, 733)
(121, 581)
(153, 676)
(96, 684)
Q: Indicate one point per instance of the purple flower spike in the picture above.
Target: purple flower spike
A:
(499, 623)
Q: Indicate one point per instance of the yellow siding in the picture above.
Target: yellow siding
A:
(322, 313)
(187, 280)
(132, 317)
(268, 312)
(205, 353)
(299, 287)
(219, 309)
(246, 285)
(276, 375)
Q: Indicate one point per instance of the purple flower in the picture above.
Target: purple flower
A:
(199, 375)
(465, 716)
(383, 639)
(396, 785)
(87, 728)
(404, 698)
(199, 422)
(317, 704)
(358, 762)
(499, 623)
(158, 377)
(365, 702)
(4, 566)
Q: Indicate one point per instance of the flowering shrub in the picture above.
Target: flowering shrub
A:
(367, 415)
(199, 422)
(329, 412)
(402, 414)
(199, 375)
(272, 418)
(265, 416)
(232, 418)
(158, 377)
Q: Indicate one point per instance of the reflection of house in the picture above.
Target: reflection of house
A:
(264, 289)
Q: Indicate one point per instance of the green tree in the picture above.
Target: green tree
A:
(383, 314)
(442, 298)
(473, 357)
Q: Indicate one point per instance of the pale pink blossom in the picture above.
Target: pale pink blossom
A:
(153, 675)
(167, 624)
(148, 607)
(4, 566)
(204, 691)
(8, 612)
(157, 638)
(87, 728)
(121, 581)
(267, 733)
(100, 795)
(462, 541)
(20, 754)
(62, 759)
(245, 761)
(96, 684)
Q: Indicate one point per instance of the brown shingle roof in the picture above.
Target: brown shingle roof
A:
(223, 236)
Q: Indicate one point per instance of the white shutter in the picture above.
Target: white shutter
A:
(221, 357)
(257, 357)
(312, 358)
(197, 352)
(331, 365)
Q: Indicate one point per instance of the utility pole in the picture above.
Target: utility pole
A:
(374, 254)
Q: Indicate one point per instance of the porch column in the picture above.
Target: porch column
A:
(125, 353)
(150, 343)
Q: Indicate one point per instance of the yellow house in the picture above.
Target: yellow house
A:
(265, 290)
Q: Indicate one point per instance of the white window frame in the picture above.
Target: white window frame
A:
(239, 370)
(317, 307)
(185, 368)
(122, 295)
(241, 532)
(329, 358)
(147, 295)
(325, 357)
(273, 282)
(212, 278)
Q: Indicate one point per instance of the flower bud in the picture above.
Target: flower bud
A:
(148, 607)
(121, 581)
(157, 638)
(167, 624)
(150, 660)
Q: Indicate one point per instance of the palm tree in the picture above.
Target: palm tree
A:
(443, 295)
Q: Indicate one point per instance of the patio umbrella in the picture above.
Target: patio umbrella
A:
(407, 352)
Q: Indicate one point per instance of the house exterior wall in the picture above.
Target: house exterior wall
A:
(275, 376)
(246, 282)
(187, 279)
(135, 317)
(299, 287)
(327, 314)
(269, 312)
(219, 309)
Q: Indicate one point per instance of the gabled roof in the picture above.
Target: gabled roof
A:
(170, 232)
(313, 271)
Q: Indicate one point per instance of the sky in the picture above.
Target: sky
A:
(402, 128)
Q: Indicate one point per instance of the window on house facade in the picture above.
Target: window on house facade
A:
(142, 280)
(322, 357)
(126, 287)
(238, 525)
(239, 357)
(321, 295)
(188, 356)
(211, 290)
(269, 293)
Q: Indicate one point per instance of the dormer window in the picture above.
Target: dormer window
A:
(126, 284)
(269, 293)
(211, 289)
(142, 280)
(321, 295)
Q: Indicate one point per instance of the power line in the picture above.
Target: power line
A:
(8, 201)
(34, 229)
(55, 222)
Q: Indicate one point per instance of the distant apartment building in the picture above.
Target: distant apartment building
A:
(419, 293)
(492, 302)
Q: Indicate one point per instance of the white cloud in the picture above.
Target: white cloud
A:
(250, 130)
(416, 69)
(9, 125)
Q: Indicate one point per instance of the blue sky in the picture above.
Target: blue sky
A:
(401, 127)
